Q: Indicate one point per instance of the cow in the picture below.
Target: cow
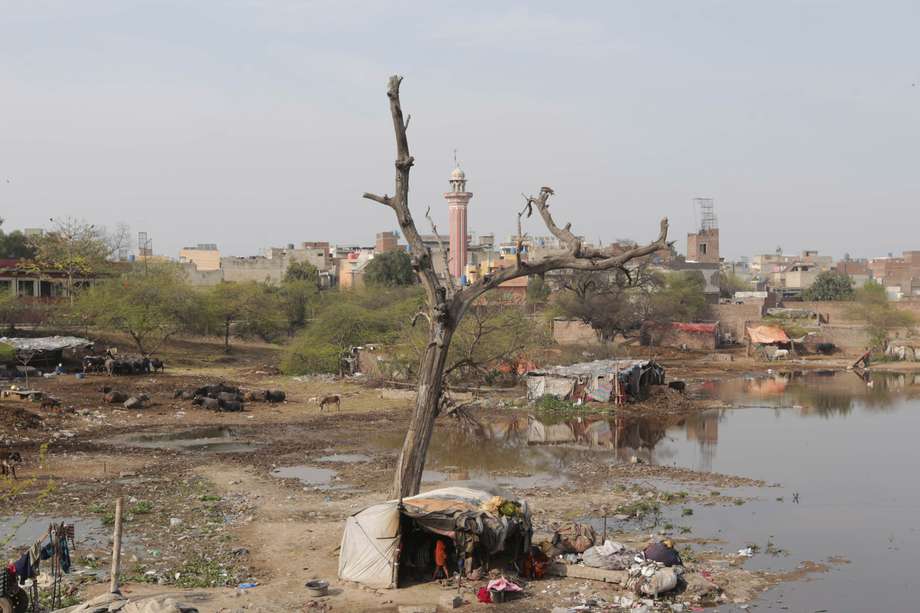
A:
(274, 396)
(93, 363)
(157, 365)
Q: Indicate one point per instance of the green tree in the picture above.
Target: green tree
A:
(150, 308)
(296, 298)
(489, 338)
(253, 308)
(7, 353)
(302, 271)
(390, 269)
(611, 302)
(830, 285)
(729, 283)
(871, 305)
(76, 248)
(347, 319)
(683, 298)
(538, 291)
(15, 245)
(10, 308)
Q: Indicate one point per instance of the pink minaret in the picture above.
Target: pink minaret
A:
(457, 199)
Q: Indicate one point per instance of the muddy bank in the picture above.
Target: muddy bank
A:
(219, 499)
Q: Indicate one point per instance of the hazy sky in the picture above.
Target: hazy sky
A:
(260, 122)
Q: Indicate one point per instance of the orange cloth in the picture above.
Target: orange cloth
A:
(440, 554)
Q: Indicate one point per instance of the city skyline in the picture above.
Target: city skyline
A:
(249, 124)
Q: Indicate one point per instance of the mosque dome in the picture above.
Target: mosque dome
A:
(457, 174)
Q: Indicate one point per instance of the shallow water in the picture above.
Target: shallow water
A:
(345, 458)
(850, 451)
(207, 440)
(311, 476)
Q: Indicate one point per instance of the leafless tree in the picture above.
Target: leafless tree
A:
(24, 356)
(447, 304)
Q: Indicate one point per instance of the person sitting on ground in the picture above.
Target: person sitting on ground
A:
(663, 552)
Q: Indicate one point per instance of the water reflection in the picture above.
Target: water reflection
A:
(853, 468)
(825, 393)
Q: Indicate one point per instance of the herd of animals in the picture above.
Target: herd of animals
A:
(216, 397)
(111, 364)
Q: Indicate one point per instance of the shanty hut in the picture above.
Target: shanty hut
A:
(50, 350)
(771, 340)
(599, 380)
(390, 544)
(681, 335)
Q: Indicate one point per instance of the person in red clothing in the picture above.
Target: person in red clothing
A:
(440, 558)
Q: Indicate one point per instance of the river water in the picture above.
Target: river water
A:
(843, 456)
(849, 450)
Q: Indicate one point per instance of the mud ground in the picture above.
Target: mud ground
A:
(204, 513)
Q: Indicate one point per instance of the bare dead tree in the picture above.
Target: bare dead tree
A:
(447, 305)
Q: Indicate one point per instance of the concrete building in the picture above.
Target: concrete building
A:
(703, 245)
(37, 285)
(350, 267)
(457, 200)
(386, 241)
(792, 280)
(900, 274)
(205, 256)
(200, 269)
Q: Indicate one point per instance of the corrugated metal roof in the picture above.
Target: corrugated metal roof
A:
(46, 343)
(594, 369)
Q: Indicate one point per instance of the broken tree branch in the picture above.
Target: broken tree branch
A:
(576, 256)
(381, 199)
(444, 253)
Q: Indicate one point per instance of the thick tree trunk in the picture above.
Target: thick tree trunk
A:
(411, 462)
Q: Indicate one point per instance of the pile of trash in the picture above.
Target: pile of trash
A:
(227, 398)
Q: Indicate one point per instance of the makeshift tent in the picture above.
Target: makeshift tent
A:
(595, 380)
(767, 335)
(373, 542)
(50, 349)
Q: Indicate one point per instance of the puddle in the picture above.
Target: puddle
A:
(456, 459)
(207, 440)
(15, 533)
(345, 458)
(311, 476)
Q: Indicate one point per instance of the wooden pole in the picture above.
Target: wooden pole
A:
(116, 547)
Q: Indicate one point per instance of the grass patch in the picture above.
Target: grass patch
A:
(143, 507)
(686, 512)
(671, 497)
(200, 572)
(554, 403)
(638, 508)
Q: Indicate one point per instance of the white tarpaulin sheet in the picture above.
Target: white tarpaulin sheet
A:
(371, 537)
(46, 343)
